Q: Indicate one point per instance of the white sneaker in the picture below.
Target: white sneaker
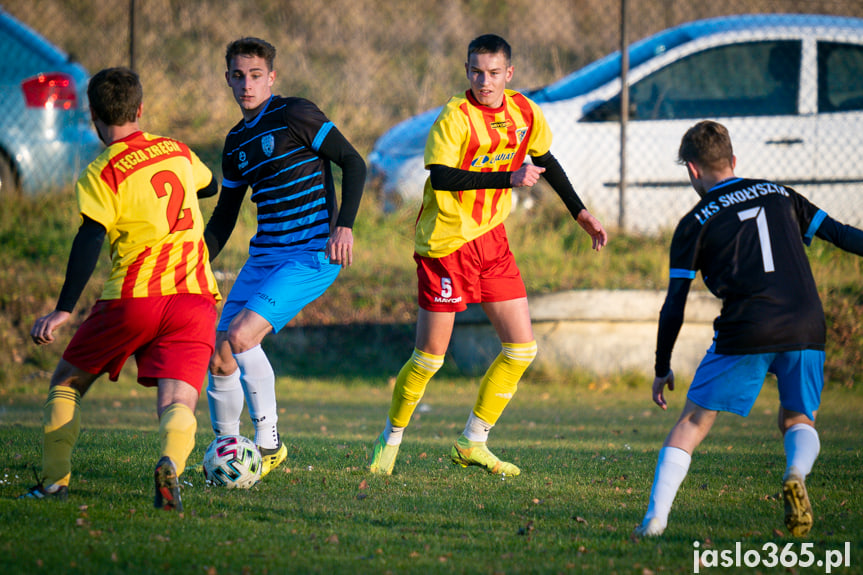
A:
(650, 528)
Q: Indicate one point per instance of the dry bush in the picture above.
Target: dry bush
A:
(367, 64)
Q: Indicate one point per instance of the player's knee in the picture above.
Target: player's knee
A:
(241, 339)
(222, 363)
(68, 375)
(789, 419)
(520, 353)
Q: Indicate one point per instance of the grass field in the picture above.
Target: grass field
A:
(587, 457)
(587, 444)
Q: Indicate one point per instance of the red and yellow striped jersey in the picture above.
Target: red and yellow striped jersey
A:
(469, 136)
(143, 189)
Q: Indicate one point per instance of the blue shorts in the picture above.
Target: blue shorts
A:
(277, 292)
(733, 382)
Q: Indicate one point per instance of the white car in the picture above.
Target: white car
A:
(789, 87)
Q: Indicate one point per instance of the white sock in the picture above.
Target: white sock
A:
(671, 470)
(259, 385)
(801, 447)
(225, 397)
(476, 429)
(393, 435)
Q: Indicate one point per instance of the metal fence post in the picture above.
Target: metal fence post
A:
(624, 112)
(132, 34)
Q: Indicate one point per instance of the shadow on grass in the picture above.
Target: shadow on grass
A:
(363, 350)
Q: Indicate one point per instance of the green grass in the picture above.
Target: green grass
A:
(587, 458)
(587, 444)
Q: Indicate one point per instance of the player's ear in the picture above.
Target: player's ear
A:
(140, 111)
(694, 170)
(733, 162)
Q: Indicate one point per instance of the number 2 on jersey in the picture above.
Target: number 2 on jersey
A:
(763, 234)
(165, 183)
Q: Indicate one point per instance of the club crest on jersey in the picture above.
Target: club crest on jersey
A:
(520, 134)
(243, 161)
(268, 144)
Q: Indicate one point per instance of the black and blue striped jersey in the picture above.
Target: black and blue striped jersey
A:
(276, 154)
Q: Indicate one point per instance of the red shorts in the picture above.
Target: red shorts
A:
(482, 270)
(171, 337)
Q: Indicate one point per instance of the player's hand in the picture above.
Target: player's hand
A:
(659, 384)
(527, 175)
(340, 247)
(43, 329)
(592, 226)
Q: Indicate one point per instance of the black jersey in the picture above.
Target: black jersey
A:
(747, 238)
(277, 155)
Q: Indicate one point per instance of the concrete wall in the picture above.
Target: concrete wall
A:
(604, 331)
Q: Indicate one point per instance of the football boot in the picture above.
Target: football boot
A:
(272, 458)
(383, 457)
(466, 452)
(167, 486)
(798, 511)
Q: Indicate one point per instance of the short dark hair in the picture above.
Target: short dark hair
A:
(490, 44)
(251, 46)
(115, 95)
(706, 143)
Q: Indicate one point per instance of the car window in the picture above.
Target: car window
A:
(840, 77)
(607, 69)
(746, 79)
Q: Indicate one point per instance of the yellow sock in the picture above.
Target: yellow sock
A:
(177, 428)
(61, 425)
(500, 382)
(411, 385)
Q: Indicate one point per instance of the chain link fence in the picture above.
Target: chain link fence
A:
(370, 65)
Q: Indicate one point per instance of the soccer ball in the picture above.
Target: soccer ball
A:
(232, 461)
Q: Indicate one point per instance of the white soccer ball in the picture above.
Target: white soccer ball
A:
(232, 461)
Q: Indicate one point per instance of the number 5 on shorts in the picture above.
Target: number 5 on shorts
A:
(446, 287)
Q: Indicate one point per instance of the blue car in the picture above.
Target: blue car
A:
(46, 137)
